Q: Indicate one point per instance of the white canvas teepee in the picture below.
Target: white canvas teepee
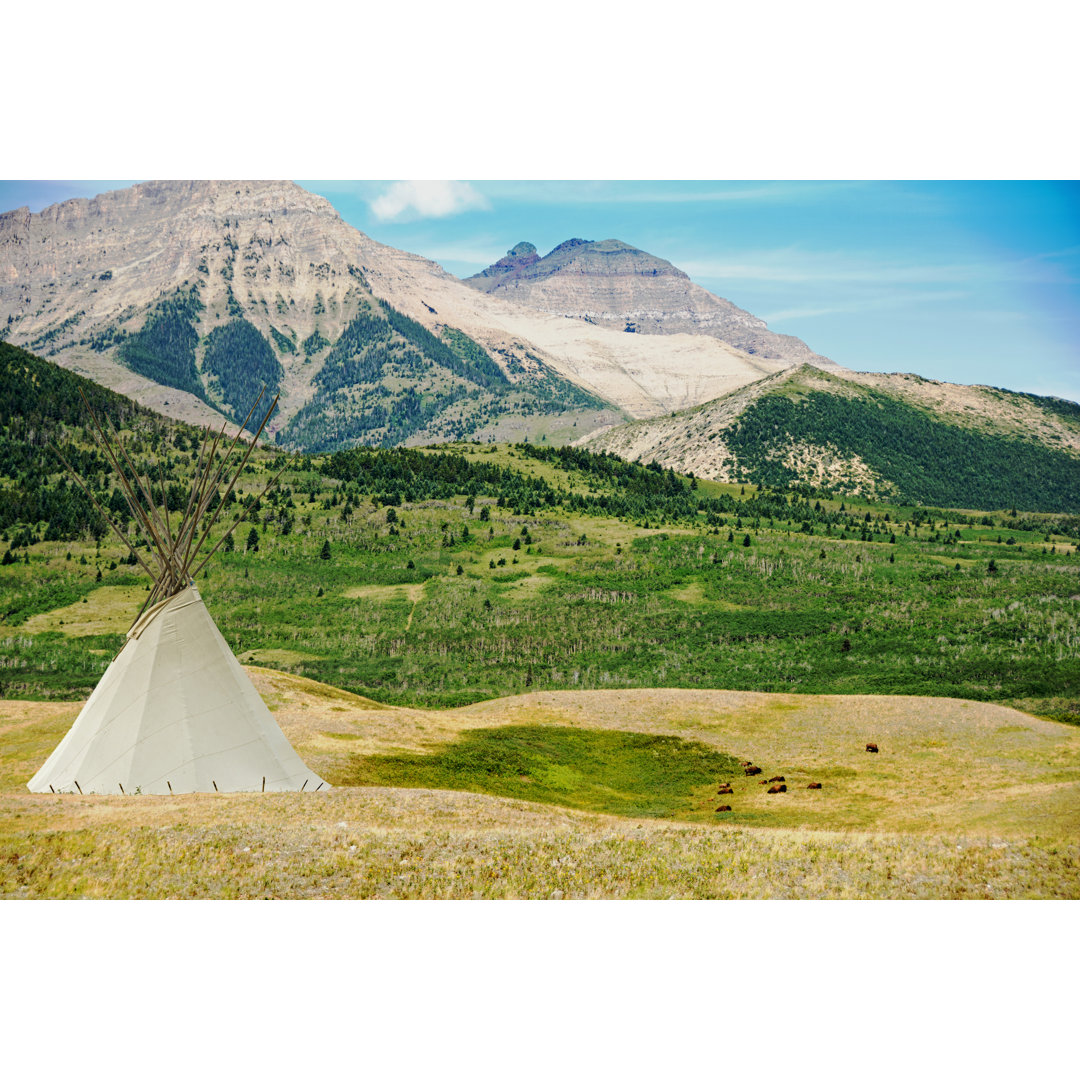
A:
(175, 712)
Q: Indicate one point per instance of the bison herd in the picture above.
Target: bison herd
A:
(777, 783)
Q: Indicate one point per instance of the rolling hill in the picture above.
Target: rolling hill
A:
(896, 437)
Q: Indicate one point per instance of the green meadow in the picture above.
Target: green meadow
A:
(477, 587)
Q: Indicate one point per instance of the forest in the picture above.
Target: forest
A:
(242, 362)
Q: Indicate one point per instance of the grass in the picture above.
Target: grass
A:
(675, 604)
(106, 610)
(387, 843)
(613, 772)
(965, 799)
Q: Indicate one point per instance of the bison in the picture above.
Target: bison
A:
(776, 789)
(871, 748)
(815, 786)
(776, 779)
(724, 789)
(751, 770)
(721, 809)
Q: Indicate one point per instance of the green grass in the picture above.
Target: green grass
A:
(613, 772)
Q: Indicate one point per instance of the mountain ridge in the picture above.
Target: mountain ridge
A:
(893, 436)
(83, 276)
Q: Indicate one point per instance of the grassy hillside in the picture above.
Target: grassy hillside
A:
(922, 459)
(895, 437)
(527, 668)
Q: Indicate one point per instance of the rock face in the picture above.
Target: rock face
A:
(613, 284)
(81, 274)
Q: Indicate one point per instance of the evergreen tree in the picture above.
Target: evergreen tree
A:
(325, 552)
(252, 540)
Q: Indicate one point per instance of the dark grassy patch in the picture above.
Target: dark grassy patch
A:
(613, 772)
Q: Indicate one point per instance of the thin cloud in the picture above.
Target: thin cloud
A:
(412, 199)
(563, 192)
(799, 267)
(873, 303)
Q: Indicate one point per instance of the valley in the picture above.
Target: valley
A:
(545, 565)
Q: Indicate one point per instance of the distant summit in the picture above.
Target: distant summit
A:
(612, 283)
(517, 258)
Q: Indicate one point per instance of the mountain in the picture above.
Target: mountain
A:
(899, 437)
(190, 296)
(187, 294)
(613, 284)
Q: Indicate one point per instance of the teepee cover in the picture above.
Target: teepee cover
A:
(176, 712)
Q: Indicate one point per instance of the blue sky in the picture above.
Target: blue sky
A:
(974, 282)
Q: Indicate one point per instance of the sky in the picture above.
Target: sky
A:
(964, 281)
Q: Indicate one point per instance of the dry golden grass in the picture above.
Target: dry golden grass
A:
(964, 800)
(107, 610)
(411, 593)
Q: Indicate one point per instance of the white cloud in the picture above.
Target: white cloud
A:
(410, 199)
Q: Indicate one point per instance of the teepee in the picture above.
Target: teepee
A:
(174, 712)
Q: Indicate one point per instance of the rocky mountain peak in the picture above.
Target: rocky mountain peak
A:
(612, 283)
(517, 258)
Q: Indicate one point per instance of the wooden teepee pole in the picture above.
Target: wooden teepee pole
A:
(101, 510)
(207, 486)
(236, 476)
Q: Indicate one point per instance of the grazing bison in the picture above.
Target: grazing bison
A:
(751, 770)
(871, 748)
(776, 789)
(776, 779)
(814, 786)
(721, 809)
(724, 789)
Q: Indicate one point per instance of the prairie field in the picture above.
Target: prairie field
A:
(963, 800)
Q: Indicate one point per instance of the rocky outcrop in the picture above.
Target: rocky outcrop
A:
(518, 258)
